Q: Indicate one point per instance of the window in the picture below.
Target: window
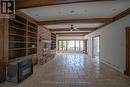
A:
(70, 45)
(60, 45)
(77, 46)
(81, 45)
(64, 44)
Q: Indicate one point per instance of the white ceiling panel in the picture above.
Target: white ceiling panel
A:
(104, 9)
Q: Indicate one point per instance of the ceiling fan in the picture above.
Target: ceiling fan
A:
(74, 28)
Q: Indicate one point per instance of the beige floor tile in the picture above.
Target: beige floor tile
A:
(73, 70)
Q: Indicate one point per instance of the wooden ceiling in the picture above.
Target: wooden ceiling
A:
(23, 4)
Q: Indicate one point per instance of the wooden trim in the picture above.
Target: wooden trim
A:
(127, 53)
(24, 4)
(117, 17)
(74, 33)
(121, 15)
(6, 40)
(102, 26)
(70, 34)
(29, 18)
(91, 20)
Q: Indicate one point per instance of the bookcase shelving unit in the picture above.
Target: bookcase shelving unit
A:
(17, 37)
(22, 38)
(32, 38)
(53, 41)
(18, 40)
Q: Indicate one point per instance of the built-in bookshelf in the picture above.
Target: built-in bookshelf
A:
(22, 37)
(53, 41)
(32, 38)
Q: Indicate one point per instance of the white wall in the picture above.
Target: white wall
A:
(113, 42)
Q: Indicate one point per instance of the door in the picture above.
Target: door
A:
(96, 47)
(64, 43)
(127, 72)
(86, 46)
(71, 45)
(77, 45)
(60, 45)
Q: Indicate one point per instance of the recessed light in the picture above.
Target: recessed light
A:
(85, 10)
(72, 11)
(59, 12)
(37, 15)
(113, 10)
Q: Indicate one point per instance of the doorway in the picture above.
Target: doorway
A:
(127, 72)
(96, 47)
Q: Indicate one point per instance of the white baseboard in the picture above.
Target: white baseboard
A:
(111, 65)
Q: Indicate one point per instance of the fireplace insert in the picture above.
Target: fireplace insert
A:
(19, 70)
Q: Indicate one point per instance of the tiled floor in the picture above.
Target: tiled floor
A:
(73, 70)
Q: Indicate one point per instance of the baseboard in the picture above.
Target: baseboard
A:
(111, 65)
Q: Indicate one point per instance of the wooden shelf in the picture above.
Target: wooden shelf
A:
(13, 54)
(32, 42)
(22, 36)
(32, 38)
(53, 41)
(23, 20)
(18, 22)
(32, 32)
(16, 42)
(32, 51)
(32, 27)
(15, 38)
(16, 28)
(17, 49)
(32, 48)
(11, 34)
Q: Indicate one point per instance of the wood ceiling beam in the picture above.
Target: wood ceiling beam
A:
(117, 17)
(73, 33)
(81, 29)
(121, 15)
(23, 4)
(91, 20)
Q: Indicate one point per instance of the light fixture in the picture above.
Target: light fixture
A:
(73, 28)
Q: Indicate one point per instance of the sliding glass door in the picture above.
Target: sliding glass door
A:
(64, 45)
(70, 45)
(60, 45)
(77, 45)
(81, 45)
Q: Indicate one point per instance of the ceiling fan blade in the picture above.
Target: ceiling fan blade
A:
(76, 28)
